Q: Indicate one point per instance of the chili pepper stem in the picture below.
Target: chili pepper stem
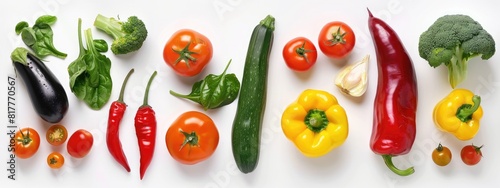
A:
(146, 94)
(464, 112)
(120, 98)
(388, 162)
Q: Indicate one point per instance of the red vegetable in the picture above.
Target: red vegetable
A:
(145, 129)
(116, 112)
(395, 102)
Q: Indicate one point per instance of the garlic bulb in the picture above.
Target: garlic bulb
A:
(353, 79)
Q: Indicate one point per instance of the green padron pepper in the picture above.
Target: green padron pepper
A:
(214, 91)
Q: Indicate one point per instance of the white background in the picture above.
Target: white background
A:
(229, 23)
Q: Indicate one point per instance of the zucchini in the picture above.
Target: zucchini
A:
(246, 131)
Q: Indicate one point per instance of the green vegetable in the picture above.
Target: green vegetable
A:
(128, 36)
(453, 40)
(90, 78)
(247, 123)
(101, 45)
(214, 91)
(40, 37)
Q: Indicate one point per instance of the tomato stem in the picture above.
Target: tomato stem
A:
(337, 38)
(184, 55)
(191, 139)
(388, 162)
(302, 51)
(26, 138)
(439, 148)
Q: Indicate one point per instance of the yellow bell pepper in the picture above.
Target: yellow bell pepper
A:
(315, 123)
(459, 113)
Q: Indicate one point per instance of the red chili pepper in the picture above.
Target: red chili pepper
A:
(116, 112)
(145, 129)
(395, 104)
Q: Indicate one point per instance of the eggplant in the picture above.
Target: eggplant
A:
(47, 95)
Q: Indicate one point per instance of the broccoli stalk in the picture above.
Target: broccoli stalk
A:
(128, 35)
(453, 40)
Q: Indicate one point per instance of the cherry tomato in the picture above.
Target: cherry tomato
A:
(192, 138)
(300, 54)
(188, 52)
(471, 154)
(56, 134)
(80, 143)
(336, 39)
(441, 155)
(55, 160)
(27, 142)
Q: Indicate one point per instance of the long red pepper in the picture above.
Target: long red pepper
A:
(395, 104)
(145, 129)
(116, 112)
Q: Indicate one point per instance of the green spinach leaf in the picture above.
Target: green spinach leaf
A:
(40, 37)
(214, 91)
(90, 78)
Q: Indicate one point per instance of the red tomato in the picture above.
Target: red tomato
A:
(471, 154)
(188, 52)
(56, 135)
(336, 40)
(55, 160)
(192, 138)
(80, 143)
(300, 54)
(27, 142)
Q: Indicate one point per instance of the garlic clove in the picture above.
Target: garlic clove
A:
(353, 79)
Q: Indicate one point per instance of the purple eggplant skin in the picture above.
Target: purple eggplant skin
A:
(47, 95)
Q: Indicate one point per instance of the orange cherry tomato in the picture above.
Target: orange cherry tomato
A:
(55, 160)
(187, 52)
(441, 155)
(80, 143)
(336, 40)
(56, 134)
(300, 54)
(192, 138)
(27, 142)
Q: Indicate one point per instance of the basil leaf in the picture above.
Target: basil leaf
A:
(214, 91)
(20, 27)
(101, 45)
(46, 19)
(28, 36)
(40, 37)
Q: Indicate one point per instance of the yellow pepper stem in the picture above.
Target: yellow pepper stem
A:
(388, 162)
(464, 112)
(316, 120)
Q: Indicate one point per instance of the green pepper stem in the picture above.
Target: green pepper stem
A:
(316, 120)
(120, 98)
(464, 112)
(388, 162)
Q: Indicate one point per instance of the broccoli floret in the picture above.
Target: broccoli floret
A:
(454, 40)
(128, 35)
